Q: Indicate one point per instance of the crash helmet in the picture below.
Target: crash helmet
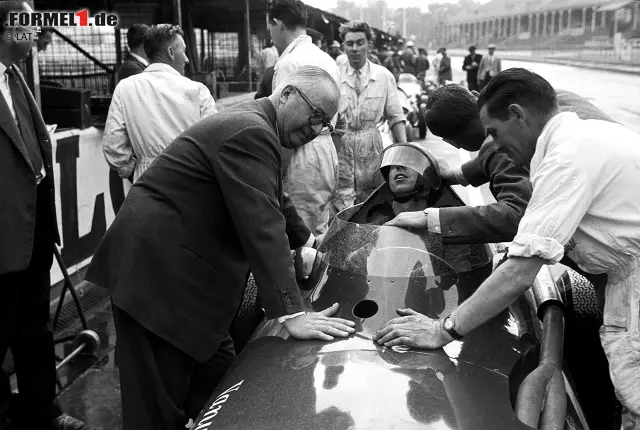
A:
(416, 158)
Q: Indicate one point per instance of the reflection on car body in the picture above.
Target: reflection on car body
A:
(354, 383)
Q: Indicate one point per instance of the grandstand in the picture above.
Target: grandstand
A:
(542, 24)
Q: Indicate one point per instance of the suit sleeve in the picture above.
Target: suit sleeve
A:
(296, 229)
(496, 222)
(247, 169)
(466, 62)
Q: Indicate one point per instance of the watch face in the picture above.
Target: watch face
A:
(448, 324)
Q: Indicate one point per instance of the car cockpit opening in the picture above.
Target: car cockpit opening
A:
(365, 309)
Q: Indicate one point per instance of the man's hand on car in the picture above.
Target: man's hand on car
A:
(417, 220)
(412, 329)
(319, 325)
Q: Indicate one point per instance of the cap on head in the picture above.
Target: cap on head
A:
(413, 157)
(492, 46)
(315, 35)
(410, 43)
(335, 44)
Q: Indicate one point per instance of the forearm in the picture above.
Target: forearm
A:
(399, 132)
(499, 291)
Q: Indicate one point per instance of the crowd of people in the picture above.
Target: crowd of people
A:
(221, 196)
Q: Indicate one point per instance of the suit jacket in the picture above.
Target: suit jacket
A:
(485, 67)
(129, 67)
(445, 73)
(177, 256)
(472, 75)
(19, 189)
(509, 184)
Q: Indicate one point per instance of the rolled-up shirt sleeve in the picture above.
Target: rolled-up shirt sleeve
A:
(562, 193)
(116, 145)
(392, 108)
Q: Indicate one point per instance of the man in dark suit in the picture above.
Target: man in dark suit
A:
(176, 258)
(452, 115)
(470, 65)
(28, 232)
(136, 60)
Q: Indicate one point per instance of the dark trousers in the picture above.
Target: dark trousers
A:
(472, 81)
(25, 329)
(161, 386)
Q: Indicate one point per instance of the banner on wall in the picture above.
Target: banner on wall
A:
(88, 195)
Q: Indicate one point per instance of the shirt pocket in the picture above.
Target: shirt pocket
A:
(371, 108)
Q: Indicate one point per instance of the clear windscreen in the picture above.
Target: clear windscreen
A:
(381, 251)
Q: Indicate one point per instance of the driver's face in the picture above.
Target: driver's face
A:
(402, 179)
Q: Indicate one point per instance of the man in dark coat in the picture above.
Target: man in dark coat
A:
(28, 232)
(452, 115)
(136, 60)
(177, 256)
(470, 65)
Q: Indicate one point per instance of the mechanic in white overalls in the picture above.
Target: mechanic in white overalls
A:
(585, 203)
(368, 97)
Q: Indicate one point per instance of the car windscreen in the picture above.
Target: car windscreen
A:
(381, 251)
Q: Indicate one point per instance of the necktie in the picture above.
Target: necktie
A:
(25, 123)
(358, 81)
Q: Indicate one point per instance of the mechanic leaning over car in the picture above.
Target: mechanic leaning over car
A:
(369, 95)
(452, 115)
(583, 204)
(176, 286)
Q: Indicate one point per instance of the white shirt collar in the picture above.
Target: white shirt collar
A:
(544, 139)
(364, 70)
(300, 40)
(161, 67)
(139, 58)
(2, 68)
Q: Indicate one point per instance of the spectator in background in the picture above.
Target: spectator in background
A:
(334, 49)
(136, 60)
(310, 188)
(268, 57)
(394, 64)
(316, 37)
(470, 65)
(150, 109)
(28, 234)
(444, 72)
(422, 63)
(373, 56)
(409, 58)
(436, 65)
(44, 39)
(368, 97)
(490, 66)
(266, 84)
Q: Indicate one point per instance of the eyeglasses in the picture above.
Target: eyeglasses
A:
(317, 117)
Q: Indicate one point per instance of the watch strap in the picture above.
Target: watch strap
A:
(451, 330)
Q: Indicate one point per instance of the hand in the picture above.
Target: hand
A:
(475, 93)
(414, 330)
(416, 220)
(318, 325)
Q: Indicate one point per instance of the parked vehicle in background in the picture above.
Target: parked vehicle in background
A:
(414, 102)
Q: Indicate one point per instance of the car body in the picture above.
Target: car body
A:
(353, 383)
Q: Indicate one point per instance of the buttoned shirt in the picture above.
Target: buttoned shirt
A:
(6, 93)
(147, 112)
(585, 175)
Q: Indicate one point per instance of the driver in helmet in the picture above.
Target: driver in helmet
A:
(413, 178)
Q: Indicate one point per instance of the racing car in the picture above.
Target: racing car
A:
(507, 374)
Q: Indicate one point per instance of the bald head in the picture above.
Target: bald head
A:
(306, 101)
(316, 84)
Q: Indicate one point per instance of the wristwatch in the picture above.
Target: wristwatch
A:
(449, 327)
